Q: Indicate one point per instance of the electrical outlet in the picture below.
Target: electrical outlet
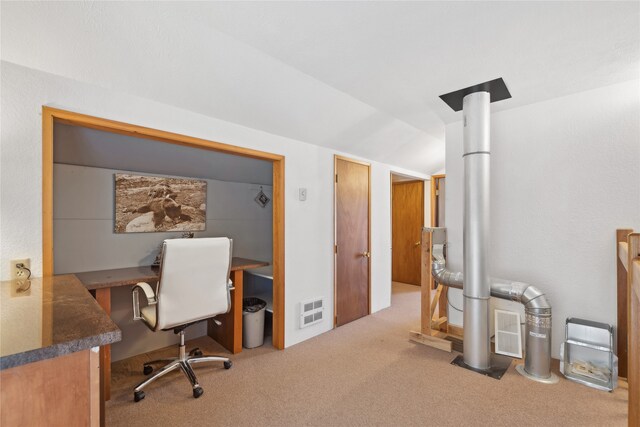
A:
(19, 273)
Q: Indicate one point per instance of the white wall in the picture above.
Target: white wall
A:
(564, 176)
(308, 225)
(83, 220)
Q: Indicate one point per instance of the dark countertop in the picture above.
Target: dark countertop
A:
(145, 273)
(50, 317)
(118, 277)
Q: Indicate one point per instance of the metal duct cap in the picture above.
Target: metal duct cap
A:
(497, 88)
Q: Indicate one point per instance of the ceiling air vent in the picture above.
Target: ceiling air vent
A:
(311, 312)
(508, 333)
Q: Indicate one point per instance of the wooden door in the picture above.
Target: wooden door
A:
(407, 220)
(352, 254)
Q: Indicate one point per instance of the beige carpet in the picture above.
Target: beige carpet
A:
(364, 373)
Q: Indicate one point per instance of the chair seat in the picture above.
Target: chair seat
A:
(148, 314)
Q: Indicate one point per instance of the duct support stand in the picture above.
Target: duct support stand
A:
(499, 365)
(552, 379)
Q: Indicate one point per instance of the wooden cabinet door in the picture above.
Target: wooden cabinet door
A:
(352, 241)
(406, 228)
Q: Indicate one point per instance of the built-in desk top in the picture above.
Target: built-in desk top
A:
(146, 273)
(49, 317)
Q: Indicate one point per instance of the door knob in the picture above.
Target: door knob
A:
(366, 254)
(416, 244)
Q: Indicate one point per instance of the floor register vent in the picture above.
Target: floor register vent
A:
(311, 312)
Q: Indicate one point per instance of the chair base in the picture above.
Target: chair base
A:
(183, 362)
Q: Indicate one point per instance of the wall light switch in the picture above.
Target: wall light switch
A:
(302, 194)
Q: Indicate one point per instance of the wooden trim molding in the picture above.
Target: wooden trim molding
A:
(443, 294)
(50, 116)
(47, 192)
(337, 157)
(434, 188)
(622, 305)
(633, 326)
(369, 231)
(278, 254)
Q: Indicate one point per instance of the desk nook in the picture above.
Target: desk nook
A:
(109, 210)
(229, 333)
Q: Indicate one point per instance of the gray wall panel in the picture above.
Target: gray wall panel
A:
(84, 239)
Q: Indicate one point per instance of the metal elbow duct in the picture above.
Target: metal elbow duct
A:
(537, 364)
(439, 269)
(537, 312)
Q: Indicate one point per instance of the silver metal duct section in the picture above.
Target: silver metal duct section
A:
(537, 363)
(476, 290)
(537, 330)
(477, 287)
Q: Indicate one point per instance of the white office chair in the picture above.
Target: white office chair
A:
(193, 286)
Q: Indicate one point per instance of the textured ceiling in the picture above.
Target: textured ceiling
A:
(400, 56)
(360, 77)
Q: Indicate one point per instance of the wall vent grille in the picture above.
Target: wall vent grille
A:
(311, 312)
(508, 333)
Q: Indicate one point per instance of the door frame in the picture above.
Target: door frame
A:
(337, 157)
(424, 211)
(434, 179)
(443, 302)
(51, 116)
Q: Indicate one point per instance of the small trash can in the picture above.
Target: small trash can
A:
(253, 322)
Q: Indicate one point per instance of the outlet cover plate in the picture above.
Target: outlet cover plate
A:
(18, 274)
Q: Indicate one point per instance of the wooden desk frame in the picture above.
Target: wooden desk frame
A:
(51, 116)
(228, 334)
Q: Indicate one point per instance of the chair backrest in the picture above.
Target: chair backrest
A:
(193, 283)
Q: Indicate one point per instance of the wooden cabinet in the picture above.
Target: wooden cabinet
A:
(63, 391)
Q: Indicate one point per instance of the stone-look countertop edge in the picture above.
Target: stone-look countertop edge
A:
(60, 349)
(103, 332)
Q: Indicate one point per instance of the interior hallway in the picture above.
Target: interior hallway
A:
(363, 373)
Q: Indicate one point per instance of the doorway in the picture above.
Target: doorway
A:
(407, 220)
(352, 218)
(53, 116)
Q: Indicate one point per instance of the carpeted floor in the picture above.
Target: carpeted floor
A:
(361, 374)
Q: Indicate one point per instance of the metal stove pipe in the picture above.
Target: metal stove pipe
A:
(476, 290)
(478, 287)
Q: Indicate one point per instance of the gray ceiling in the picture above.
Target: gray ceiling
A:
(89, 147)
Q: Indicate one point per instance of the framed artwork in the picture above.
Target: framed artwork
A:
(146, 204)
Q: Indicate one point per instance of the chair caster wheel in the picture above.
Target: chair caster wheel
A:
(228, 364)
(138, 396)
(147, 369)
(195, 352)
(197, 392)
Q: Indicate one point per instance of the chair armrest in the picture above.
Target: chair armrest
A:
(149, 295)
